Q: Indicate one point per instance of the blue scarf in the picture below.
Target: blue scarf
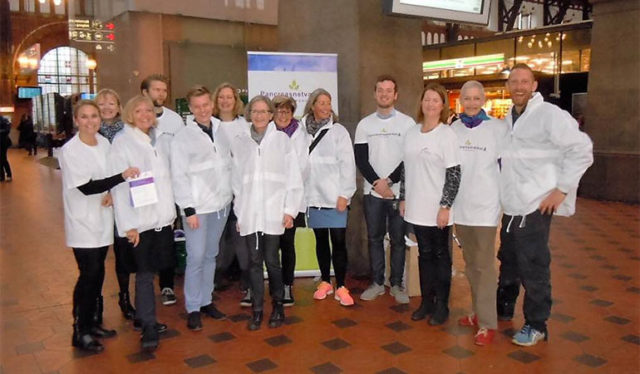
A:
(474, 121)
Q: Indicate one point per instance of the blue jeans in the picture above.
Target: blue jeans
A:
(202, 244)
(380, 214)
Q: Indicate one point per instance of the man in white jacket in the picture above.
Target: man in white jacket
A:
(543, 159)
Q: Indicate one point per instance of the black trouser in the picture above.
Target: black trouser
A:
(120, 248)
(525, 257)
(89, 285)
(288, 248)
(434, 262)
(232, 245)
(264, 248)
(145, 298)
(4, 160)
(325, 255)
(166, 278)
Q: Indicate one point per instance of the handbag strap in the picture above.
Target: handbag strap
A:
(317, 140)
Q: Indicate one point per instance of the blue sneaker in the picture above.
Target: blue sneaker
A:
(528, 336)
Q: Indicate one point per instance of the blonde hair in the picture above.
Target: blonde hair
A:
(81, 103)
(132, 104)
(237, 109)
(308, 109)
(442, 92)
(109, 92)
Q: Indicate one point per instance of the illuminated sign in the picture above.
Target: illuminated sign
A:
(463, 63)
(102, 34)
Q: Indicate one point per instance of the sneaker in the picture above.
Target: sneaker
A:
(246, 300)
(399, 294)
(323, 290)
(213, 312)
(168, 296)
(372, 292)
(287, 300)
(342, 295)
(149, 339)
(194, 323)
(160, 327)
(470, 320)
(528, 336)
(484, 336)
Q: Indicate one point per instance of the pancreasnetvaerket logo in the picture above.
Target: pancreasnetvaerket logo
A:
(294, 85)
(470, 147)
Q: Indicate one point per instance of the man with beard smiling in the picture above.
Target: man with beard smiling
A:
(543, 158)
(378, 152)
(155, 87)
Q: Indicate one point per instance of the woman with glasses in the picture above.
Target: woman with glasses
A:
(267, 190)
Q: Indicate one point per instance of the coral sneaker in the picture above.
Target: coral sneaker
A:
(470, 320)
(323, 290)
(484, 336)
(342, 295)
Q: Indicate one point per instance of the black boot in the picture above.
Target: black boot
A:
(427, 304)
(83, 340)
(96, 328)
(255, 321)
(442, 290)
(277, 316)
(440, 314)
(426, 307)
(128, 312)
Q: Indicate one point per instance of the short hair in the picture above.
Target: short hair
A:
(313, 97)
(81, 103)
(197, 91)
(282, 101)
(253, 101)
(386, 77)
(471, 84)
(146, 83)
(132, 104)
(523, 66)
(442, 92)
(237, 109)
(109, 92)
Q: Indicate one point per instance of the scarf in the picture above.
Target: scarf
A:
(474, 121)
(291, 128)
(313, 126)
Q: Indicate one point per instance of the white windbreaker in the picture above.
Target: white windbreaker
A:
(266, 181)
(301, 146)
(130, 148)
(543, 151)
(201, 169)
(331, 168)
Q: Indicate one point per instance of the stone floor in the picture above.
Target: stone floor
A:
(594, 326)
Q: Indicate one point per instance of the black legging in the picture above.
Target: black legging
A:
(89, 285)
(325, 255)
(4, 160)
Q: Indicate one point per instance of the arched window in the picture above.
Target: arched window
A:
(429, 41)
(436, 38)
(64, 70)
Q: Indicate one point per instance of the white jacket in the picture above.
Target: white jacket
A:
(130, 148)
(543, 151)
(201, 169)
(266, 181)
(300, 144)
(331, 168)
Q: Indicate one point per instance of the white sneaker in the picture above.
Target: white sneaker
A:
(168, 296)
(399, 294)
(246, 300)
(372, 292)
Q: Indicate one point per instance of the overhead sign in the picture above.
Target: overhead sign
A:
(463, 63)
(85, 30)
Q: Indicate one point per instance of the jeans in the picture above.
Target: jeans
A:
(203, 244)
(264, 248)
(325, 255)
(434, 262)
(525, 258)
(89, 285)
(380, 213)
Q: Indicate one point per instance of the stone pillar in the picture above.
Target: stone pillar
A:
(613, 112)
(368, 43)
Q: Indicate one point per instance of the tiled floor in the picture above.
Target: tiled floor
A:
(595, 324)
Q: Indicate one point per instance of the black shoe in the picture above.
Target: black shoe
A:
(160, 327)
(277, 316)
(439, 316)
(211, 311)
(97, 315)
(423, 311)
(194, 323)
(287, 300)
(128, 312)
(149, 340)
(86, 342)
(255, 321)
(246, 299)
(100, 332)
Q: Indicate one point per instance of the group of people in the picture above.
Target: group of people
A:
(262, 175)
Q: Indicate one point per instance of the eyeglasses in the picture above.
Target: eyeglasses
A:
(283, 112)
(259, 112)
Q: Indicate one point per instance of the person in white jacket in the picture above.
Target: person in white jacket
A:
(88, 218)
(329, 185)
(543, 159)
(147, 222)
(201, 175)
(285, 106)
(267, 190)
(476, 210)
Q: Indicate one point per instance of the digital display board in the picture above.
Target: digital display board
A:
(457, 11)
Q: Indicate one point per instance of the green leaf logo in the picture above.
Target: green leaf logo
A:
(294, 85)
